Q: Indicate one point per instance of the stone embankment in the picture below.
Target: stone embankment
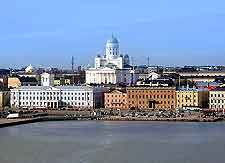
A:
(13, 122)
(162, 119)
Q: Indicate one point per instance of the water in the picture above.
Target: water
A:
(113, 142)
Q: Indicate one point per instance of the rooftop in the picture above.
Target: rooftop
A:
(219, 89)
(54, 88)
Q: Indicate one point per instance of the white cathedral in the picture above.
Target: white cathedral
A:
(111, 67)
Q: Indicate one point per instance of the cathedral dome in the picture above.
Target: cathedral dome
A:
(113, 40)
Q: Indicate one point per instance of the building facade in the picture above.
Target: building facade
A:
(163, 98)
(112, 55)
(116, 99)
(110, 76)
(56, 97)
(191, 97)
(15, 82)
(110, 68)
(4, 98)
(47, 79)
(217, 98)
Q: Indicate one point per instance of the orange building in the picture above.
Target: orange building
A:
(163, 98)
(116, 99)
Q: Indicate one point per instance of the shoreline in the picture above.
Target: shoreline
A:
(14, 122)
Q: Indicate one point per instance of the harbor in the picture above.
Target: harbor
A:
(13, 122)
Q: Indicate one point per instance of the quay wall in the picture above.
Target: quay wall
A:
(7, 123)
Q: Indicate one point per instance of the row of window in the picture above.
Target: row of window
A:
(187, 100)
(152, 96)
(151, 91)
(186, 96)
(217, 95)
(116, 95)
(217, 106)
(44, 104)
(147, 102)
(51, 93)
(217, 101)
(115, 105)
(51, 98)
(117, 100)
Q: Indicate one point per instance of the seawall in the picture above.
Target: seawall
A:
(14, 122)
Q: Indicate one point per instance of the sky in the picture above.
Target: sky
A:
(170, 32)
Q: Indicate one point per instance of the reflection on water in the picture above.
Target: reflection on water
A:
(113, 142)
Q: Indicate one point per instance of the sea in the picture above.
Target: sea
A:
(113, 142)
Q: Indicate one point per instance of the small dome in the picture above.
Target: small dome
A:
(113, 40)
(29, 69)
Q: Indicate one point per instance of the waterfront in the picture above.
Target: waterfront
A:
(98, 141)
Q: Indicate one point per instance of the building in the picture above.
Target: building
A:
(3, 81)
(29, 69)
(217, 98)
(47, 79)
(112, 55)
(56, 97)
(4, 97)
(15, 82)
(192, 97)
(116, 99)
(159, 82)
(202, 76)
(68, 80)
(110, 68)
(144, 97)
(106, 75)
(58, 81)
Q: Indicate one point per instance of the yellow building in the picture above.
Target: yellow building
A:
(116, 99)
(67, 81)
(58, 82)
(14, 82)
(192, 97)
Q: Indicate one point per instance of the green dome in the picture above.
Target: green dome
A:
(113, 40)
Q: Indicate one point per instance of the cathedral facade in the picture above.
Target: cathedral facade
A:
(110, 68)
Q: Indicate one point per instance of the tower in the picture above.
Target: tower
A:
(72, 63)
(47, 79)
(112, 48)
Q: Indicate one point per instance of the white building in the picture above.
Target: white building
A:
(47, 79)
(108, 75)
(217, 99)
(109, 69)
(55, 97)
(112, 55)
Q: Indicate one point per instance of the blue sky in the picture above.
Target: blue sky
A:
(170, 32)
